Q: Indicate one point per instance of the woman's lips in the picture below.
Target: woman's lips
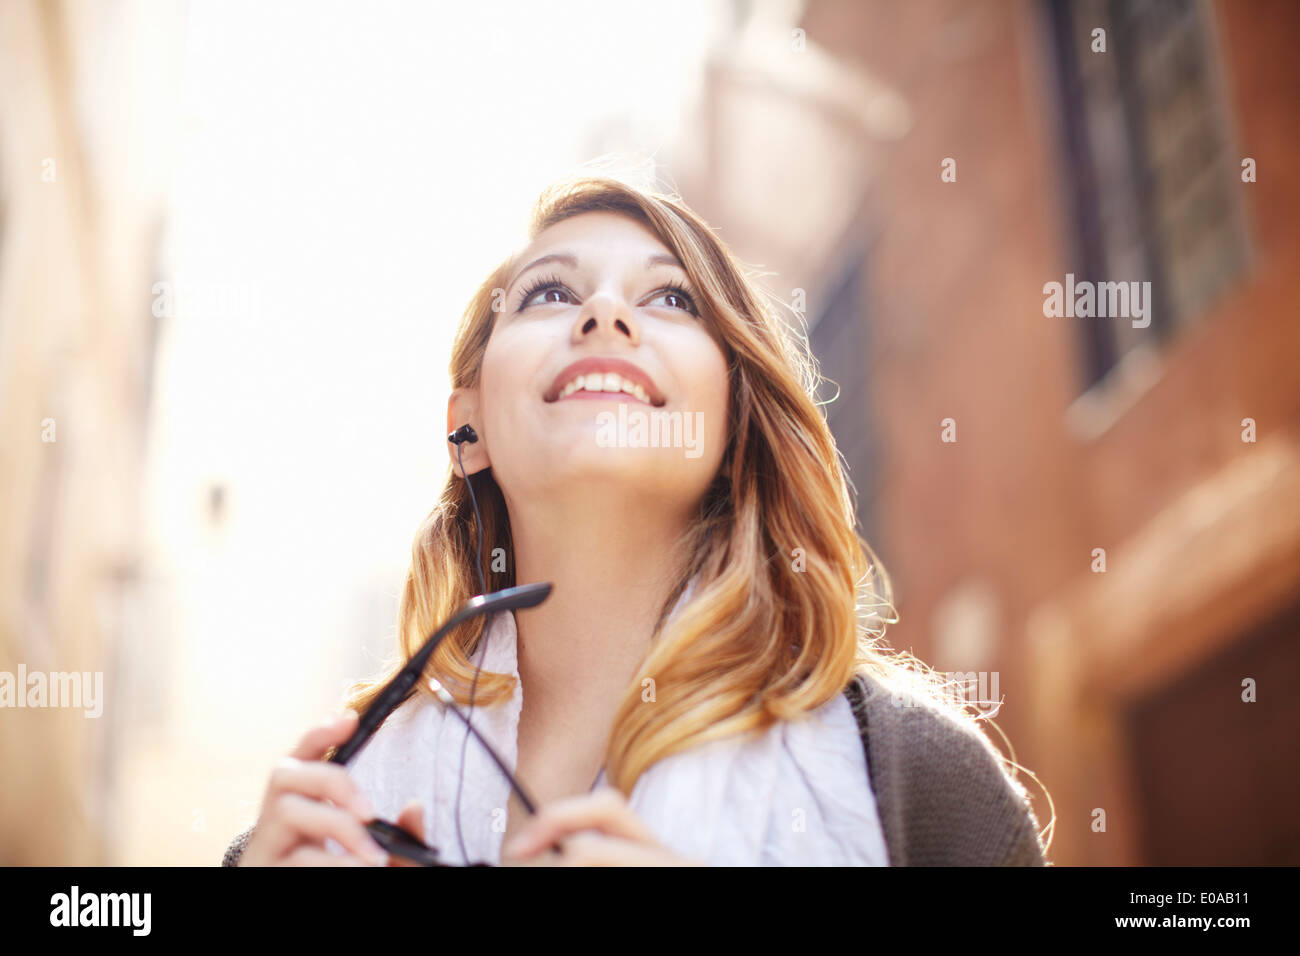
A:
(602, 397)
(602, 377)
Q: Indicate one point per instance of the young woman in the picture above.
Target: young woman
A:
(705, 684)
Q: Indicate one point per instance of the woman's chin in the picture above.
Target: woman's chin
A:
(586, 444)
(582, 465)
(628, 431)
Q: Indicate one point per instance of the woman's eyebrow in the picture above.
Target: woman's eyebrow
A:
(664, 259)
(562, 257)
(565, 258)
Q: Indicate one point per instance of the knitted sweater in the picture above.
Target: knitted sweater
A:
(942, 794)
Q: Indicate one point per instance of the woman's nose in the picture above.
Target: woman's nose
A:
(606, 316)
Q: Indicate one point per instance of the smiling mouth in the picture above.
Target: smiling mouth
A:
(609, 386)
(605, 379)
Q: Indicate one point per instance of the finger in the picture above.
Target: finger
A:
(411, 819)
(320, 781)
(317, 821)
(307, 854)
(605, 810)
(319, 739)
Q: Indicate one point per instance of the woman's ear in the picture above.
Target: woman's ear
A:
(462, 409)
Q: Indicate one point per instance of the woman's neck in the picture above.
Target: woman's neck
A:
(613, 563)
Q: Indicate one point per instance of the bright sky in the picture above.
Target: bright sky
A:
(348, 175)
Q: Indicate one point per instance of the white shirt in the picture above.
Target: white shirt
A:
(795, 794)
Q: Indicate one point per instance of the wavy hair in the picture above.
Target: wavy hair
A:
(788, 602)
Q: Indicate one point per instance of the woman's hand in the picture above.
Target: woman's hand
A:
(309, 800)
(595, 829)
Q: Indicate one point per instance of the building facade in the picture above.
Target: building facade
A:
(1086, 493)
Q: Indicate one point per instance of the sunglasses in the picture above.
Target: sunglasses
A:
(394, 839)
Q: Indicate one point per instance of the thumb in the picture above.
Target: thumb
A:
(411, 819)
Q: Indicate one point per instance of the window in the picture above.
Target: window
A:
(1150, 167)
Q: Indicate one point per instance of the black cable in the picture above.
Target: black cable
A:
(478, 521)
(478, 566)
(528, 802)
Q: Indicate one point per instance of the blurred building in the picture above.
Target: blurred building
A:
(1100, 514)
(84, 94)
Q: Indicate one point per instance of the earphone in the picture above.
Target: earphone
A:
(459, 437)
(463, 434)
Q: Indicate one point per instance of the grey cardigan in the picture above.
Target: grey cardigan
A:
(942, 794)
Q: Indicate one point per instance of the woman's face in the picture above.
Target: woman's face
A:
(600, 368)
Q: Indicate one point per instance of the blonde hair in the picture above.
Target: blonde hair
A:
(789, 603)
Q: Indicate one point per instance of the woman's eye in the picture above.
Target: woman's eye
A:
(547, 295)
(674, 300)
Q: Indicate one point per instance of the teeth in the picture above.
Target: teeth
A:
(605, 382)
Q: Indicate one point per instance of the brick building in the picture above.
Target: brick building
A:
(1102, 514)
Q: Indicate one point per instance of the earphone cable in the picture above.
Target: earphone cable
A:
(478, 524)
